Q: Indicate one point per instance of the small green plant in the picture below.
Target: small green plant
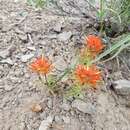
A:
(37, 3)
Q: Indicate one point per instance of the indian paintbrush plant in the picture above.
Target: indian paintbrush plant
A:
(113, 18)
(85, 74)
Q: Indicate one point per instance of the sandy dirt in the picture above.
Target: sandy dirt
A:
(24, 32)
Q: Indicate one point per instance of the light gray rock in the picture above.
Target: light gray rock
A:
(57, 27)
(43, 43)
(1, 86)
(122, 87)
(6, 28)
(46, 123)
(15, 80)
(65, 106)
(58, 118)
(32, 48)
(27, 57)
(51, 36)
(22, 126)
(65, 36)
(18, 73)
(8, 87)
(66, 119)
(43, 115)
(28, 29)
(22, 37)
(73, 125)
(18, 31)
(83, 107)
(4, 53)
(50, 103)
(7, 52)
(7, 61)
(21, 34)
(60, 64)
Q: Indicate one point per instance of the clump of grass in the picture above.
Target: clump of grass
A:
(117, 11)
(125, 12)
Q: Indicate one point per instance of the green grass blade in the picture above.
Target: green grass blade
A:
(113, 11)
(113, 48)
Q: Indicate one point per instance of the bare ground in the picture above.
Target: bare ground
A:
(24, 32)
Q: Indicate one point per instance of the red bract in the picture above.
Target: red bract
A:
(87, 75)
(41, 65)
(94, 44)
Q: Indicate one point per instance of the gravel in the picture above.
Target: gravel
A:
(64, 36)
(19, 88)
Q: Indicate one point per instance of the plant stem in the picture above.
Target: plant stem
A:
(40, 78)
(101, 16)
(45, 76)
(48, 85)
(62, 76)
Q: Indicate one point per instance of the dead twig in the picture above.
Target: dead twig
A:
(30, 38)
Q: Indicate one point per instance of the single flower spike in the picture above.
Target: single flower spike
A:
(87, 75)
(94, 44)
(41, 65)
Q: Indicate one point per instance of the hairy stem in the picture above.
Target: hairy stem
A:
(40, 78)
(45, 76)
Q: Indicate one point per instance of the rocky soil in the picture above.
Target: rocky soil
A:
(24, 34)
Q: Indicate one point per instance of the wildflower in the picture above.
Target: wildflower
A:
(94, 44)
(41, 65)
(88, 75)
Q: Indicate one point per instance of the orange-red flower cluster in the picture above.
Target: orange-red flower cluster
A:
(88, 75)
(41, 65)
(85, 72)
(94, 44)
